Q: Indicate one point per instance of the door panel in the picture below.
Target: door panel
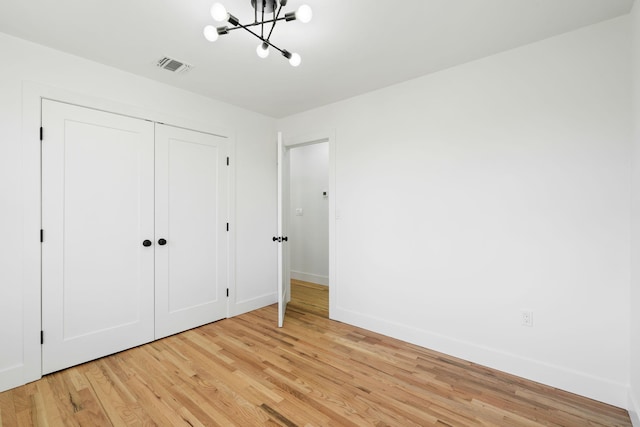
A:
(191, 215)
(284, 281)
(97, 208)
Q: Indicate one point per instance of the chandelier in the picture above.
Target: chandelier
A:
(266, 24)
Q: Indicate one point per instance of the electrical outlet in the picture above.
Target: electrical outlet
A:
(527, 317)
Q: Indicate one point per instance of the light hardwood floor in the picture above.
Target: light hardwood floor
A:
(313, 372)
(310, 298)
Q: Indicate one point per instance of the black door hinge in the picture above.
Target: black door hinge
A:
(227, 161)
(227, 292)
(41, 133)
(227, 226)
(41, 235)
(41, 337)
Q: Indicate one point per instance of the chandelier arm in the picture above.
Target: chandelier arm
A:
(245, 27)
(273, 46)
(275, 20)
(268, 21)
(262, 26)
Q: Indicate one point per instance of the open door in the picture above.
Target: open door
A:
(284, 282)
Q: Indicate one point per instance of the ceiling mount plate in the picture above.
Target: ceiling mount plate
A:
(269, 6)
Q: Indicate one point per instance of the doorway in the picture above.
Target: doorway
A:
(308, 227)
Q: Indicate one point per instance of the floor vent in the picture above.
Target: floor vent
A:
(173, 65)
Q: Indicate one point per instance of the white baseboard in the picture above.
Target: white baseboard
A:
(309, 277)
(242, 307)
(634, 409)
(11, 377)
(559, 377)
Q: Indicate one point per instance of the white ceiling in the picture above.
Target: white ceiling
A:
(349, 48)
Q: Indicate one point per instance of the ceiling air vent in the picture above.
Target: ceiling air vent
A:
(173, 65)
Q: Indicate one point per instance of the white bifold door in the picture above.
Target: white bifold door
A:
(97, 209)
(191, 229)
(134, 232)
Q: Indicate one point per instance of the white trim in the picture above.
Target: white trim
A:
(32, 95)
(308, 139)
(231, 218)
(333, 217)
(11, 377)
(310, 277)
(31, 220)
(634, 409)
(87, 101)
(580, 383)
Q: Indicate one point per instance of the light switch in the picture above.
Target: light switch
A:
(298, 211)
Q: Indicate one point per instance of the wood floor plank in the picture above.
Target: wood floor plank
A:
(117, 402)
(309, 298)
(67, 397)
(244, 371)
(8, 415)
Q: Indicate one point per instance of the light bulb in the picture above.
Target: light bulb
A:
(304, 14)
(262, 50)
(295, 60)
(210, 33)
(219, 12)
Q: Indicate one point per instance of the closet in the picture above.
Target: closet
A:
(134, 219)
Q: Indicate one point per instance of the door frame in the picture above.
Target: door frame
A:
(32, 95)
(328, 136)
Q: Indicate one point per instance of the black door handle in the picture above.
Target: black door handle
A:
(285, 239)
(277, 239)
(146, 243)
(162, 242)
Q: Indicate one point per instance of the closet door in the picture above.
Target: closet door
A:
(191, 229)
(97, 210)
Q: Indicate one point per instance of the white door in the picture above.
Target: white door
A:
(191, 229)
(284, 281)
(97, 210)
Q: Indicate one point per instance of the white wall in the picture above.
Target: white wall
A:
(309, 232)
(500, 185)
(634, 400)
(253, 164)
